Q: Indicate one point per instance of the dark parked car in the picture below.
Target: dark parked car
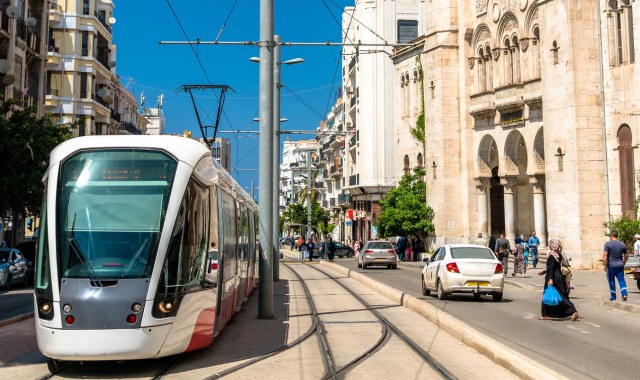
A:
(13, 268)
(28, 249)
(341, 250)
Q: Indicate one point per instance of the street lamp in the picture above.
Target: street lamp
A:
(276, 146)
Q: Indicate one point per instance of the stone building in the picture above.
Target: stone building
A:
(532, 118)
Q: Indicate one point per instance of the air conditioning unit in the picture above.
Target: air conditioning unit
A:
(348, 89)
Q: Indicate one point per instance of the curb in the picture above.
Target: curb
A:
(16, 319)
(631, 308)
(520, 365)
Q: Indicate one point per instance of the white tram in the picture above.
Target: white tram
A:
(147, 249)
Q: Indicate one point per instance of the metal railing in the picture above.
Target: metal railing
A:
(102, 21)
(129, 127)
(115, 116)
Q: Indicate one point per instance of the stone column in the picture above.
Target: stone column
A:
(509, 184)
(539, 214)
(482, 184)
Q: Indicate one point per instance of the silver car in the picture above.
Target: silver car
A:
(463, 268)
(377, 252)
(13, 268)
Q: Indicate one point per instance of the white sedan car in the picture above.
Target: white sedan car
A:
(463, 268)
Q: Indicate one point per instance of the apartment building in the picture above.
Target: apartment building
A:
(368, 78)
(295, 170)
(82, 85)
(23, 27)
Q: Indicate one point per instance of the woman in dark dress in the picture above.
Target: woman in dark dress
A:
(554, 277)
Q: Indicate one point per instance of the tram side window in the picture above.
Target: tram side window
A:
(42, 268)
(229, 235)
(183, 269)
(252, 237)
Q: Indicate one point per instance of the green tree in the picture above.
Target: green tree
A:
(627, 227)
(419, 132)
(296, 213)
(26, 143)
(404, 209)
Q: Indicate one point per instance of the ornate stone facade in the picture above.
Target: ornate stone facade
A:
(541, 91)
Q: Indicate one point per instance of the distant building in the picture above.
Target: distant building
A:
(294, 170)
(221, 152)
(154, 116)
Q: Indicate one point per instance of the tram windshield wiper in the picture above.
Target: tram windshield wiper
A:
(75, 247)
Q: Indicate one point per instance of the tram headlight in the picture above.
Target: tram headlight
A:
(45, 307)
(66, 308)
(136, 307)
(165, 306)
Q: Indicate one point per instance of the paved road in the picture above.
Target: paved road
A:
(15, 302)
(602, 344)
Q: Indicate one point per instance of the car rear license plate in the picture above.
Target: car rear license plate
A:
(380, 259)
(477, 283)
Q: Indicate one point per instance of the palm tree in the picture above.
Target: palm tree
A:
(303, 193)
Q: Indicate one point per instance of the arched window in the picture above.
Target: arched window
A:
(402, 95)
(419, 159)
(417, 85)
(482, 71)
(406, 164)
(488, 62)
(627, 185)
(515, 52)
(508, 62)
(407, 94)
(536, 52)
(620, 28)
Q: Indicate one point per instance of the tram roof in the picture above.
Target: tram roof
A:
(184, 149)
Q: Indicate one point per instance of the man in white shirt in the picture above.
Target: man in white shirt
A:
(636, 246)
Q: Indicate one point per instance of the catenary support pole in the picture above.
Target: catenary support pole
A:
(265, 301)
(309, 180)
(276, 159)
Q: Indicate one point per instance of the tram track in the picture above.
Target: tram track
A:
(389, 329)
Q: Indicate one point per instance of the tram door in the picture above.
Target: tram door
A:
(227, 262)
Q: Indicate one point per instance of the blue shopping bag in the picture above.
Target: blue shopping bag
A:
(551, 297)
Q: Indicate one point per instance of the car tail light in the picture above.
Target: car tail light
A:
(69, 319)
(132, 318)
(214, 266)
(498, 268)
(391, 251)
(453, 268)
(369, 251)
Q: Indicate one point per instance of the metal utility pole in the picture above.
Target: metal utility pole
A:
(308, 194)
(265, 299)
(276, 159)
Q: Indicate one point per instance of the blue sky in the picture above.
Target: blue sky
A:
(147, 66)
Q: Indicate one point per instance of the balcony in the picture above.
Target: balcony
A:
(129, 128)
(103, 56)
(4, 23)
(33, 43)
(21, 29)
(354, 180)
(100, 16)
(115, 116)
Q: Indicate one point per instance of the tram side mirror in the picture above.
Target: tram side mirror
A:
(425, 260)
(211, 274)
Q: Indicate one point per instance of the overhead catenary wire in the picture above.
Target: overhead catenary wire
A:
(315, 111)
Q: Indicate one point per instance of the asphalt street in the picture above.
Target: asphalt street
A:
(602, 344)
(15, 302)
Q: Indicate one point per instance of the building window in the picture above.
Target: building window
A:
(482, 72)
(620, 26)
(402, 95)
(83, 85)
(489, 68)
(85, 43)
(407, 94)
(407, 31)
(85, 7)
(627, 185)
(536, 52)
(406, 164)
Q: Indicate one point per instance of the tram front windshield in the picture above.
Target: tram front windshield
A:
(111, 206)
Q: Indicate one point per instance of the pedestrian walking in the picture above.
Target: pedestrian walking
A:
(554, 277)
(492, 243)
(525, 245)
(480, 240)
(415, 249)
(502, 250)
(331, 249)
(614, 257)
(519, 261)
(636, 246)
(534, 243)
(401, 245)
(310, 247)
(356, 247)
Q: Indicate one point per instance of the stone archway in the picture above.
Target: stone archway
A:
(490, 191)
